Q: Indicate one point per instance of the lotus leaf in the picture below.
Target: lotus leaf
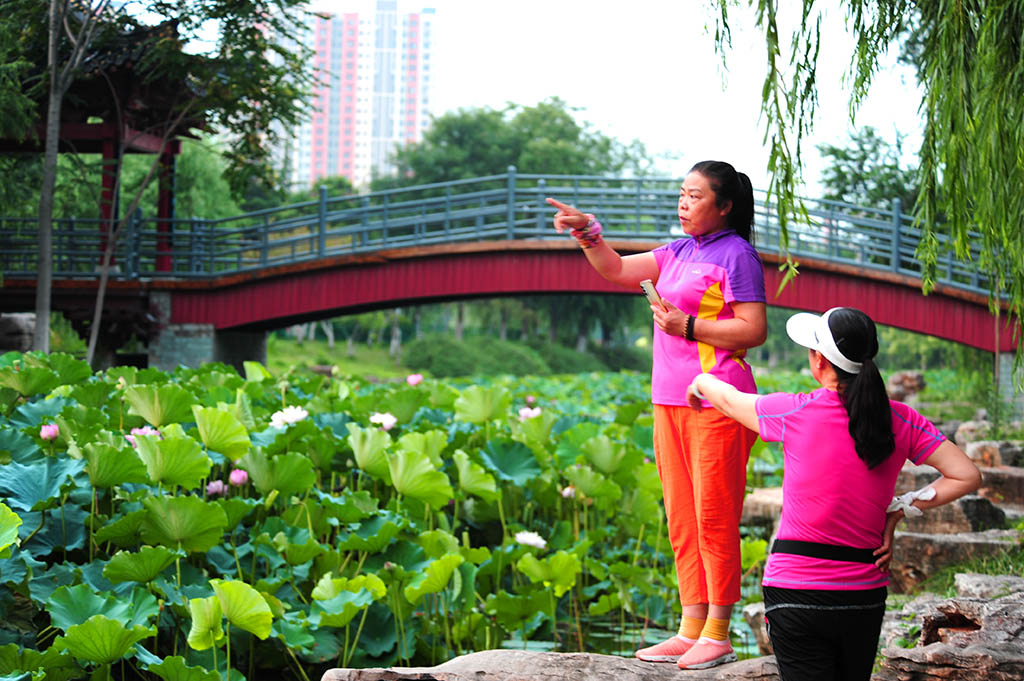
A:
(43, 532)
(207, 625)
(297, 553)
(625, 414)
(176, 669)
(512, 612)
(125, 531)
(55, 664)
(641, 505)
(109, 466)
(752, 552)
(21, 447)
(558, 571)
(9, 523)
(349, 508)
(433, 579)
(93, 394)
(431, 443)
(369, 446)
(159, 404)
(538, 429)
(71, 605)
(335, 422)
(142, 566)
(373, 534)
(414, 476)
(290, 473)
(479, 404)
(236, 509)
(592, 484)
(32, 414)
(68, 368)
(568, 448)
(29, 381)
(101, 640)
(244, 607)
(188, 523)
(173, 460)
(38, 485)
(646, 478)
(510, 461)
(437, 543)
(404, 402)
(294, 634)
(330, 586)
(473, 479)
(254, 371)
(605, 604)
(604, 454)
(221, 431)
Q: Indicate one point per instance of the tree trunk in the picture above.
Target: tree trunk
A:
(418, 321)
(459, 318)
(328, 328)
(395, 349)
(503, 327)
(350, 346)
(44, 266)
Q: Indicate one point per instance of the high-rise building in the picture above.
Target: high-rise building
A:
(373, 63)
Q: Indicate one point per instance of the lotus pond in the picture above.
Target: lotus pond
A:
(202, 525)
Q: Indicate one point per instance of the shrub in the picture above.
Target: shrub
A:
(618, 357)
(505, 357)
(563, 360)
(441, 356)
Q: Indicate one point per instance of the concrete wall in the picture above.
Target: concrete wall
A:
(193, 345)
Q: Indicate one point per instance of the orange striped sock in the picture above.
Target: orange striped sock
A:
(716, 629)
(690, 627)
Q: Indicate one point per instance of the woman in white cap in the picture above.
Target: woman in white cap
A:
(843, 447)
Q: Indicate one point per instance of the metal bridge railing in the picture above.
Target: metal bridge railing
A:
(497, 207)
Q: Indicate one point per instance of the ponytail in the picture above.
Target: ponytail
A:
(863, 394)
(732, 187)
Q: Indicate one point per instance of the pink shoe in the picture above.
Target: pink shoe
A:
(705, 653)
(666, 651)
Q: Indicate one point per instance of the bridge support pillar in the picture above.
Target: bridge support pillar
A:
(1013, 398)
(192, 345)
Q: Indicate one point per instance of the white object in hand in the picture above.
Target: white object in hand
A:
(905, 501)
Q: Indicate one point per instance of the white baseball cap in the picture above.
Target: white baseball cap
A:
(812, 331)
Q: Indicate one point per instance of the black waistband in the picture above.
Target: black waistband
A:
(813, 549)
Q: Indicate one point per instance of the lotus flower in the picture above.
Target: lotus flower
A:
(288, 416)
(238, 477)
(569, 492)
(527, 413)
(144, 430)
(527, 538)
(50, 431)
(216, 488)
(414, 379)
(386, 420)
(530, 399)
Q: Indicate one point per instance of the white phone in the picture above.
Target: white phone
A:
(652, 294)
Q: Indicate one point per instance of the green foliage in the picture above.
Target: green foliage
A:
(943, 581)
(869, 172)
(968, 64)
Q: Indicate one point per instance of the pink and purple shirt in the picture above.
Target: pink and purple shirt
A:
(829, 494)
(703, 276)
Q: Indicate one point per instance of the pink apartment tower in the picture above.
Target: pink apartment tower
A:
(373, 64)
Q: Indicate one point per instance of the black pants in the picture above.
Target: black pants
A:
(823, 635)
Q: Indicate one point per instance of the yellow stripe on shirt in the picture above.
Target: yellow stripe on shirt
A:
(711, 304)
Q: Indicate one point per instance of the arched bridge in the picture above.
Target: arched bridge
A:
(480, 237)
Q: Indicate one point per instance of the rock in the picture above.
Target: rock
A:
(915, 477)
(966, 514)
(520, 665)
(762, 507)
(984, 453)
(969, 431)
(948, 428)
(902, 627)
(17, 330)
(753, 613)
(1003, 485)
(917, 556)
(904, 384)
(987, 586)
(963, 639)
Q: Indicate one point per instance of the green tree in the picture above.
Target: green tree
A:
(971, 72)
(869, 171)
(545, 138)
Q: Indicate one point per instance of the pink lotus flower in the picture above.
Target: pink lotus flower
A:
(527, 413)
(386, 420)
(144, 430)
(414, 379)
(216, 488)
(50, 431)
(530, 399)
(238, 477)
(569, 492)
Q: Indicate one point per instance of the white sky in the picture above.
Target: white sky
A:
(648, 70)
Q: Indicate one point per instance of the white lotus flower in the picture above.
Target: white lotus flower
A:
(527, 538)
(287, 416)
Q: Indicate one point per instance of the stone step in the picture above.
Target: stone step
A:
(967, 514)
(917, 556)
(1002, 485)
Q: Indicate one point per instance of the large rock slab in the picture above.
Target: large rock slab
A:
(970, 585)
(1003, 485)
(966, 514)
(762, 507)
(995, 453)
(521, 665)
(17, 329)
(964, 639)
(917, 556)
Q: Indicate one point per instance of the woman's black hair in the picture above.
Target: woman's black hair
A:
(730, 185)
(863, 393)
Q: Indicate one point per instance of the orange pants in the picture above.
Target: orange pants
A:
(702, 461)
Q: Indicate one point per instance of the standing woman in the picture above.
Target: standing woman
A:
(713, 288)
(843, 447)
